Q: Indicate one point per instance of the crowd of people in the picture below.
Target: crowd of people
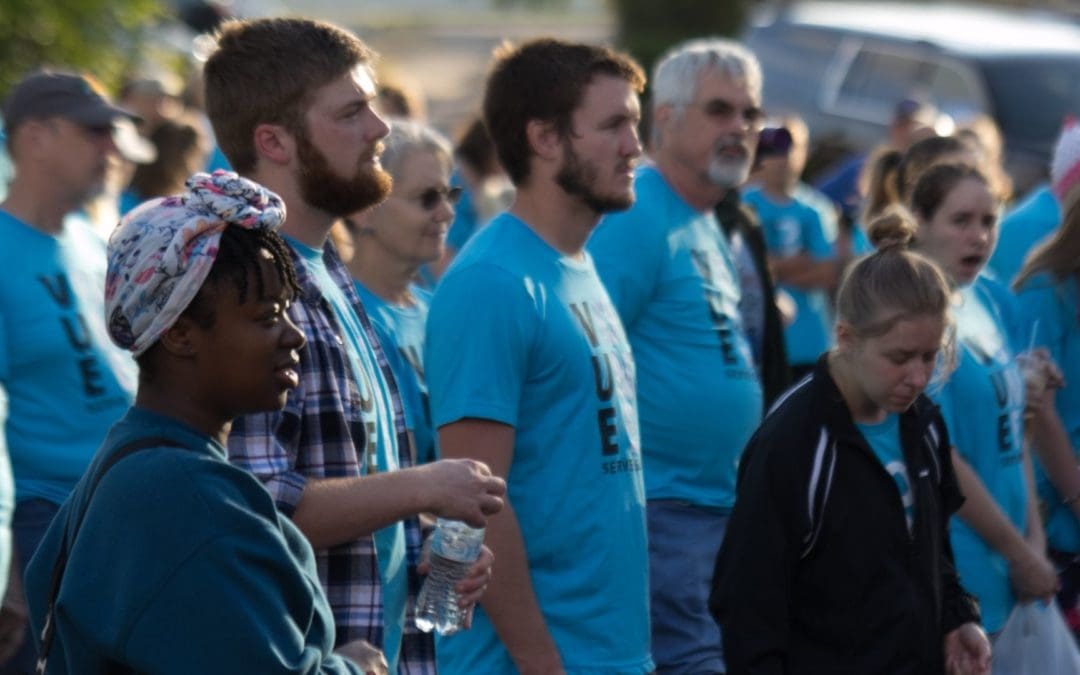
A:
(713, 419)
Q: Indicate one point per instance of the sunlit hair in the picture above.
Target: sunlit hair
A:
(676, 75)
(1059, 255)
(894, 284)
(544, 80)
(266, 71)
(408, 136)
(923, 155)
(879, 179)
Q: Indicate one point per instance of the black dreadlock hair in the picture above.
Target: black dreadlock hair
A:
(238, 256)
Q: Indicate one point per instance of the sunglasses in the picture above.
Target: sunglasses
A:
(430, 198)
(725, 111)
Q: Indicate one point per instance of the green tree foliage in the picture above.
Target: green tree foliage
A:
(100, 37)
(647, 28)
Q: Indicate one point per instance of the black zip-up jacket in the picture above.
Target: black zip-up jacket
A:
(818, 572)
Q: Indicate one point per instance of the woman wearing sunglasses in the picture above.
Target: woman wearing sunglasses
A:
(391, 242)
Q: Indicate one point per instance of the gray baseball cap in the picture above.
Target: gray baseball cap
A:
(60, 94)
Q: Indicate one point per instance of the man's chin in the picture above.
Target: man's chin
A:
(610, 203)
(728, 175)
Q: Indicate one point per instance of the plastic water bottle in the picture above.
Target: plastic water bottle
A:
(454, 548)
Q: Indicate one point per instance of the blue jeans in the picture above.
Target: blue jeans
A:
(684, 541)
(32, 517)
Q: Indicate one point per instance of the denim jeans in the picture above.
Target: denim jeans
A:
(32, 517)
(684, 541)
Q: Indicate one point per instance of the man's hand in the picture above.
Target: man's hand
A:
(463, 489)
(967, 651)
(370, 659)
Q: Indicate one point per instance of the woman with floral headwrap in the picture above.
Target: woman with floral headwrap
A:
(166, 559)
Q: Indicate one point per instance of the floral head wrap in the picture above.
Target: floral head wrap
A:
(161, 252)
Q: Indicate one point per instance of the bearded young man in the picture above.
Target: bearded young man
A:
(529, 371)
(674, 282)
(291, 105)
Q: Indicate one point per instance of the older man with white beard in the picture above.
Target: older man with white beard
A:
(670, 273)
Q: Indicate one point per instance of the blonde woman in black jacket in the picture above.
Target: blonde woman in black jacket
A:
(837, 556)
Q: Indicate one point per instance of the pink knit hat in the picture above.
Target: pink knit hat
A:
(1065, 167)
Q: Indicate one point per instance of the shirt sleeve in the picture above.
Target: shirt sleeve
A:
(480, 329)
(628, 252)
(267, 445)
(252, 611)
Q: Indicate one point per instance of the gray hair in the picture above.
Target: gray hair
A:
(407, 136)
(675, 77)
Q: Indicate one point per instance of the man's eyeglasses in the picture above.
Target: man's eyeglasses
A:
(725, 111)
(430, 198)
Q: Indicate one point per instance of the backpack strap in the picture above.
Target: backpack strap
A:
(71, 531)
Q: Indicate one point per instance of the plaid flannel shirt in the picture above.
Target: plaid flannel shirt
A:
(320, 434)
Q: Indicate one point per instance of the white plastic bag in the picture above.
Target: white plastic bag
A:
(1036, 641)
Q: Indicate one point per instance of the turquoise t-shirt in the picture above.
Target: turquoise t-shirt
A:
(860, 243)
(988, 381)
(672, 278)
(884, 439)
(1050, 308)
(790, 229)
(403, 328)
(523, 335)
(66, 382)
(466, 220)
(7, 498)
(389, 541)
(1028, 224)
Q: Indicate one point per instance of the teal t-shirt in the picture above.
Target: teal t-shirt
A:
(403, 328)
(182, 565)
(987, 381)
(792, 228)
(1049, 307)
(884, 439)
(674, 283)
(7, 497)
(389, 541)
(66, 382)
(1021, 230)
(523, 335)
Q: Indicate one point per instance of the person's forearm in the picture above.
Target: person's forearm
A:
(1052, 446)
(802, 271)
(982, 514)
(511, 604)
(1035, 535)
(334, 511)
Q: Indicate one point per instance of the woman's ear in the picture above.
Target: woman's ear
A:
(180, 339)
(846, 338)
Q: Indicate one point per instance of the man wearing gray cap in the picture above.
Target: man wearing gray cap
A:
(65, 382)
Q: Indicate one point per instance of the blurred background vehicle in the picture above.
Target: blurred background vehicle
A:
(843, 66)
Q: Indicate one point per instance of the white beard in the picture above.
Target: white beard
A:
(727, 173)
